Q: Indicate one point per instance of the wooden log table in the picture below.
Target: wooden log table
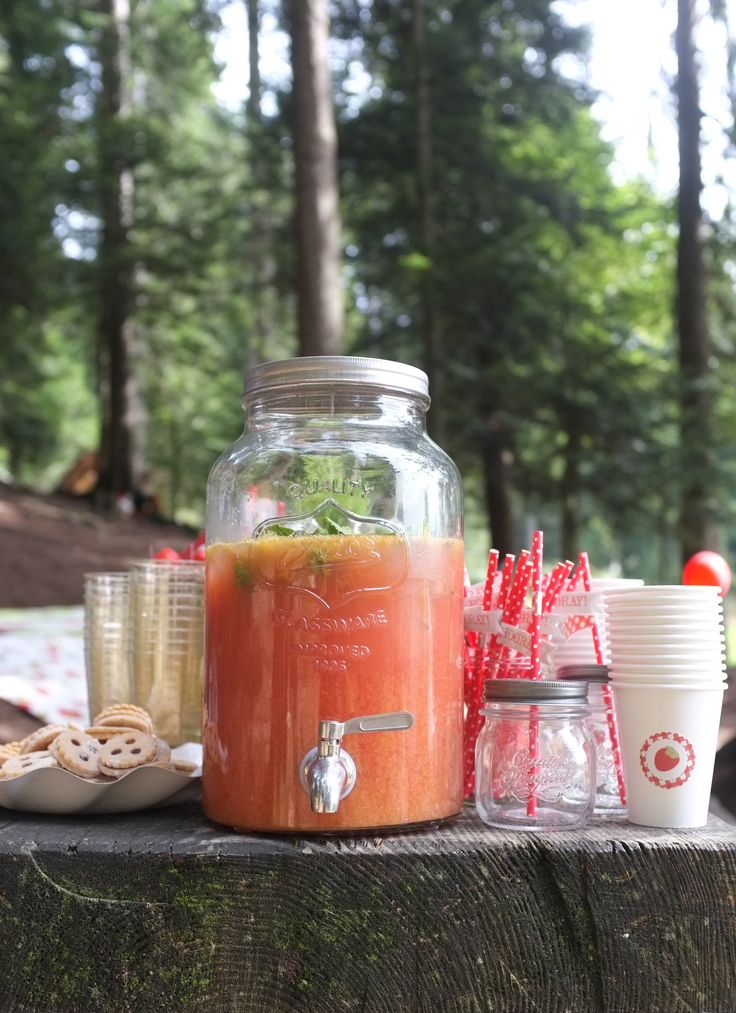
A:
(164, 911)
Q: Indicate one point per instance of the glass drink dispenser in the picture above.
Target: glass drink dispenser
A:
(333, 690)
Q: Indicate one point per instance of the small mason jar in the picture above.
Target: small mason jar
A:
(535, 756)
(610, 795)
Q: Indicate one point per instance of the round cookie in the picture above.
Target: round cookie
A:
(126, 751)
(121, 719)
(126, 715)
(102, 733)
(110, 773)
(77, 752)
(133, 708)
(21, 764)
(41, 738)
(8, 749)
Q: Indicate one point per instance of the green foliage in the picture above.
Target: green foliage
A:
(41, 356)
(552, 285)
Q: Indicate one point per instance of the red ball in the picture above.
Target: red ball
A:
(199, 553)
(168, 554)
(709, 569)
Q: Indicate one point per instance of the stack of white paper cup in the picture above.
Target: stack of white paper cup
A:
(668, 672)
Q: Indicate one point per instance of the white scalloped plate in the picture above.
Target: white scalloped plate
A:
(61, 793)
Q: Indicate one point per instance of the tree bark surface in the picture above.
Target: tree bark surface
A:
(115, 330)
(254, 70)
(164, 911)
(697, 470)
(260, 252)
(497, 484)
(321, 311)
(431, 336)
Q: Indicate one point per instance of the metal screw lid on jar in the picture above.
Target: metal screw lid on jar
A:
(536, 691)
(343, 369)
(591, 673)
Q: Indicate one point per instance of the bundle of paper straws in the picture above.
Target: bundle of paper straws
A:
(505, 638)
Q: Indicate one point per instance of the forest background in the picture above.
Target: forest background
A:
(578, 330)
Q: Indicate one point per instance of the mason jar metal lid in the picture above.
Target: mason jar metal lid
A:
(344, 369)
(536, 690)
(591, 673)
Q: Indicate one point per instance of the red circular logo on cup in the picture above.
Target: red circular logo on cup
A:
(667, 759)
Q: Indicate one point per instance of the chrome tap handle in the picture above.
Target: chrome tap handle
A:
(327, 772)
(392, 722)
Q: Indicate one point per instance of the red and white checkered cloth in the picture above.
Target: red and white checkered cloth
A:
(42, 662)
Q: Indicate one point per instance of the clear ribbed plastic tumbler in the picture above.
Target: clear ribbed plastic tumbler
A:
(166, 649)
(106, 640)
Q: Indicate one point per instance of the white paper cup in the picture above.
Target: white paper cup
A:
(669, 591)
(618, 602)
(677, 635)
(645, 619)
(637, 620)
(656, 592)
(669, 735)
(679, 655)
(667, 676)
(653, 661)
(615, 583)
(697, 669)
(698, 663)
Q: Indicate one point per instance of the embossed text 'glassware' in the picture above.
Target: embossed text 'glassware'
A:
(333, 589)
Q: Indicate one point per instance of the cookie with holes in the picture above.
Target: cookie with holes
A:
(102, 734)
(77, 752)
(41, 739)
(123, 752)
(21, 764)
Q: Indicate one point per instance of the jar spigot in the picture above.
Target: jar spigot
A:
(327, 772)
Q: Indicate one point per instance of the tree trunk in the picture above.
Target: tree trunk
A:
(497, 483)
(321, 313)
(697, 471)
(571, 495)
(115, 329)
(426, 220)
(254, 73)
(260, 254)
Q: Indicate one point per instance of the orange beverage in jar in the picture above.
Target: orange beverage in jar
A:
(331, 626)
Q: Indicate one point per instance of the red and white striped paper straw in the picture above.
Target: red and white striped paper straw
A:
(514, 607)
(555, 585)
(482, 650)
(491, 571)
(584, 569)
(474, 683)
(535, 631)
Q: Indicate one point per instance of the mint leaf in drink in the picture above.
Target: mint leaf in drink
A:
(280, 530)
(330, 527)
(316, 558)
(243, 575)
